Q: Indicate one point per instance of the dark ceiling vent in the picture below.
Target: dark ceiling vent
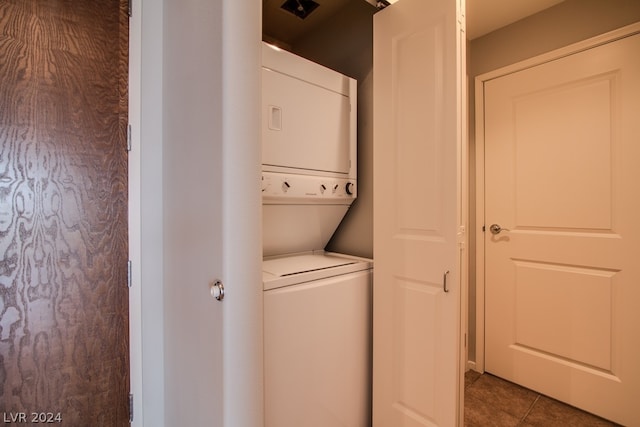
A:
(300, 8)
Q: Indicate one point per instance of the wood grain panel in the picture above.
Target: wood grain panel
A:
(63, 210)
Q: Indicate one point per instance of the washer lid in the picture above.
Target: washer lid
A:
(292, 265)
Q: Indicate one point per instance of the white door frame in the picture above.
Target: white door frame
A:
(480, 154)
(241, 57)
(242, 386)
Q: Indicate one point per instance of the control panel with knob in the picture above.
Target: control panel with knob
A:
(280, 187)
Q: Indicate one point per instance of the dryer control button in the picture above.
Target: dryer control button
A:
(349, 188)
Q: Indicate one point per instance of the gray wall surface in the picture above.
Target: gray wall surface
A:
(345, 44)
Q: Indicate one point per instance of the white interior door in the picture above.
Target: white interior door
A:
(418, 99)
(562, 296)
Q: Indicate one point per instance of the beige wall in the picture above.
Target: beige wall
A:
(559, 26)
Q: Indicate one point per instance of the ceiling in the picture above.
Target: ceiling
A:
(483, 16)
(285, 27)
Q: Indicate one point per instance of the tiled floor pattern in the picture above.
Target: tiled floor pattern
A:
(491, 401)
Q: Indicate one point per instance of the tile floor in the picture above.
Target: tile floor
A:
(491, 401)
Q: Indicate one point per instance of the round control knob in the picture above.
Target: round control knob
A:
(349, 188)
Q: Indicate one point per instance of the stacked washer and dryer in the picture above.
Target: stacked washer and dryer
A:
(317, 305)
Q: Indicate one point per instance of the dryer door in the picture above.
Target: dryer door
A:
(304, 126)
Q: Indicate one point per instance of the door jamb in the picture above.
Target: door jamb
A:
(480, 80)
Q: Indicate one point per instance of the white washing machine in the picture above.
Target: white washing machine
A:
(317, 305)
(317, 341)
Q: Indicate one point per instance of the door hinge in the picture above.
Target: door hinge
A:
(130, 11)
(130, 407)
(461, 236)
(484, 228)
(129, 273)
(129, 137)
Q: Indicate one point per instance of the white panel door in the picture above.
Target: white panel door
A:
(418, 67)
(563, 282)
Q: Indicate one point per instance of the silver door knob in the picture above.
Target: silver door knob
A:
(496, 229)
(217, 290)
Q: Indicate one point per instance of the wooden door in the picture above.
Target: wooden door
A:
(63, 212)
(418, 101)
(563, 282)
